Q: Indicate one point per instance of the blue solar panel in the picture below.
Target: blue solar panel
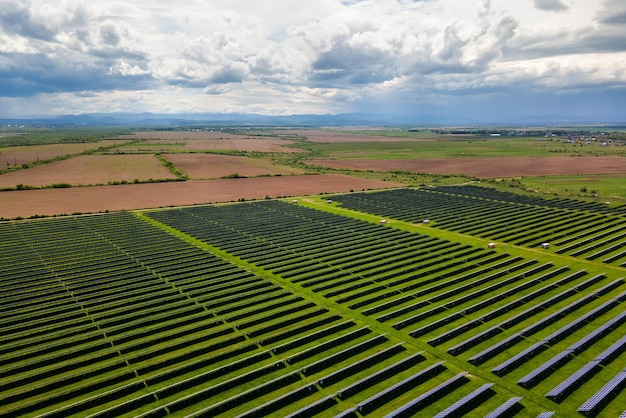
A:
(505, 409)
(604, 395)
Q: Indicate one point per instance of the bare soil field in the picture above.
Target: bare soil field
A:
(490, 167)
(332, 137)
(49, 202)
(27, 154)
(216, 141)
(175, 136)
(239, 144)
(153, 145)
(213, 166)
(90, 169)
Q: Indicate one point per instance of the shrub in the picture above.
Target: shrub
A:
(234, 176)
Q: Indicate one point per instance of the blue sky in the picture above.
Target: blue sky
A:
(485, 60)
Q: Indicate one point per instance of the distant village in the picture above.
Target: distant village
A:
(604, 138)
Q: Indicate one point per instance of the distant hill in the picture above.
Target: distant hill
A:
(296, 120)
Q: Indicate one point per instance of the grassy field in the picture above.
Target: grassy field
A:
(464, 148)
(607, 186)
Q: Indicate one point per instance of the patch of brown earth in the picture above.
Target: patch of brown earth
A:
(11, 156)
(489, 167)
(27, 203)
(212, 166)
(89, 169)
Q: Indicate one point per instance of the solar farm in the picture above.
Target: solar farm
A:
(315, 307)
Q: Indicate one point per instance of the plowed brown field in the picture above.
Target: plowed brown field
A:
(216, 141)
(90, 169)
(27, 203)
(489, 167)
(212, 166)
(27, 154)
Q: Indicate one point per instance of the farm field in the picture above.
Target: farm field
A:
(169, 135)
(207, 166)
(462, 146)
(488, 167)
(392, 157)
(49, 202)
(208, 141)
(606, 186)
(316, 308)
(90, 170)
(339, 137)
(10, 156)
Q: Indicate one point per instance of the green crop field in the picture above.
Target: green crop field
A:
(464, 147)
(314, 307)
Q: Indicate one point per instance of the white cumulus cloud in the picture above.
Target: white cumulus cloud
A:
(279, 56)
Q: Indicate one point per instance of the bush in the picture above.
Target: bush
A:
(234, 176)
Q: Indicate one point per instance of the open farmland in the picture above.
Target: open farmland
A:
(332, 137)
(488, 167)
(49, 202)
(175, 135)
(206, 166)
(592, 161)
(208, 141)
(90, 170)
(12, 156)
(313, 309)
(607, 186)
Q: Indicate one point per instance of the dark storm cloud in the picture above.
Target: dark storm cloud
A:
(584, 41)
(15, 19)
(25, 75)
(347, 65)
(342, 78)
(344, 57)
(189, 77)
(613, 13)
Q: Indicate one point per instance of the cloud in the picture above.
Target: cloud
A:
(561, 42)
(38, 20)
(32, 74)
(551, 5)
(613, 13)
(109, 34)
(318, 56)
